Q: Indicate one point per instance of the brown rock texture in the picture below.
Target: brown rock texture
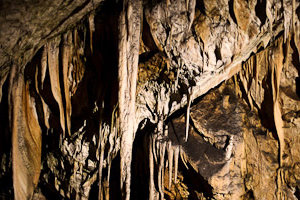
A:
(132, 99)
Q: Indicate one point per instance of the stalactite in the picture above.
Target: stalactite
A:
(161, 169)
(273, 58)
(294, 14)
(108, 136)
(66, 58)
(189, 102)
(269, 9)
(152, 190)
(170, 161)
(177, 75)
(53, 65)
(113, 141)
(103, 136)
(296, 34)
(236, 85)
(273, 62)
(183, 157)
(246, 77)
(165, 143)
(176, 156)
(191, 4)
(155, 148)
(157, 158)
(91, 29)
(109, 141)
(277, 62)
(2, 81)
(26, 136)
(88, 183)
(288, 17)
(243, 75)
(129, 35)
(44, 65)
(257, 71)
(161, 148)
(46, 109)
(250, 68)
(77, 66)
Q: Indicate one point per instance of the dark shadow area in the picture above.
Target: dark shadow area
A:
(51, 137)
(260, 11)
(201, 153)
(95, 98)
(231, 11)
(296, 63)
(49, 191)
(140, 162)
(218, 53)
(266, 112)
(148, 38)
(249, 195)
(6, 184)
(200, 6)
(297, 192)
(195, 182)
(298, 86)
(298, 12)
(114, 182)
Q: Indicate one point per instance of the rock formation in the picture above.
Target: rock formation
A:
(132, 99)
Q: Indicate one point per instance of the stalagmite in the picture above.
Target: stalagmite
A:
(129, 35)
(66, 58)
(26, 136)
(53, 66)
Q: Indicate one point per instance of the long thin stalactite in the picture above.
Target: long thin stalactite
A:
(129, 36)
